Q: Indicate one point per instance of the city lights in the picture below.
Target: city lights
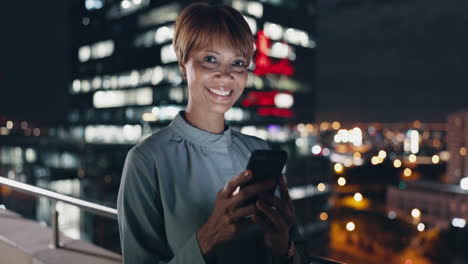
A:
(357, 155)
(323, 216)
(168, 54)
(316, 149)
(9, 124)
(382, 154)
(336, 125)
(106, 99)
(391, 215)
(462, 151)
(273, 31)
(349, 136)
(464, 183)
(252, 24)
(350, 226)
(324, 126)
(415, 213)
(321, 187)
(338, 168)
(412, 158)
(375, 160)
(414, 141)
(421, 227)
(407, 172)
(149, 117)
(284, 100)
(94, 4)
(458, 222)
(358, 197)
(348, 163)
(435, 159)
(125, 4)
(341, 181)
(255, 9)
(397, 163)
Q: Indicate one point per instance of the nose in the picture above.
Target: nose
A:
(225, 72)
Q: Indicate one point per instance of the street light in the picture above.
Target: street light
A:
(350, 226)
(415, 213)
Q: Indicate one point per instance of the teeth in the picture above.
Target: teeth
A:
(219, 92)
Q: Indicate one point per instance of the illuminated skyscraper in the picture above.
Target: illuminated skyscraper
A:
(126, 76)
(457, 143)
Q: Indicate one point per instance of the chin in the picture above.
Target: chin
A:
(220, 109)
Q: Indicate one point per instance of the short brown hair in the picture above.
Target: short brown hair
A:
(199, 23)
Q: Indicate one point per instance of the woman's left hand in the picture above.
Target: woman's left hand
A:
(276, 216)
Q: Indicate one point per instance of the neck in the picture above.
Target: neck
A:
(210, 122)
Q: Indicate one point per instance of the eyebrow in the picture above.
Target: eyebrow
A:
(213, 51)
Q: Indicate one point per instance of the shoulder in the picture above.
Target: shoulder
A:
(154, 143)
(252, 141)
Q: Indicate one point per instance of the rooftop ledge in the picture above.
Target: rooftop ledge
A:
(23, 241)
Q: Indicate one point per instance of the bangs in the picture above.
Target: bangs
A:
(225, 32)
(202, 27)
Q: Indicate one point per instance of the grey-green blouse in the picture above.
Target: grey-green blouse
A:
(167, 192)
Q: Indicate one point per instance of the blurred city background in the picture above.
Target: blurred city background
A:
(368, 97)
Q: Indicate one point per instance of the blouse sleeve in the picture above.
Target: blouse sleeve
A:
(140, 217)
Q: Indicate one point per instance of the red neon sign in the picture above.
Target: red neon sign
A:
(263, 64)
(273, 111)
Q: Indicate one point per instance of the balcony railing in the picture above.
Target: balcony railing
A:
(92, 208)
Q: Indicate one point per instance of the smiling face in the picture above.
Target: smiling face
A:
(216, 76)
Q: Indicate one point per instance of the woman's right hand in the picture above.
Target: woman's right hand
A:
(228, 216)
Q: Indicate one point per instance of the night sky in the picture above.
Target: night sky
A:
(399, 60)
(378, 60)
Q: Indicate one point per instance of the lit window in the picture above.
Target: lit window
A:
(273, 31)
(159, 15)
(84, 53)
(255, 9)
(284, 100)
(102, 49)
(168, 54)
(163, 34)
(252, 24)
(76, 86)
(94, 4)
(279, 50)
(298, 37)
(140, 96)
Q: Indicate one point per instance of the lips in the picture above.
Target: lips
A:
(220, 92)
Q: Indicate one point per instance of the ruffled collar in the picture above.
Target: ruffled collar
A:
(200, 137)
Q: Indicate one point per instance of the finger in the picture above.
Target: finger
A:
(243, 212)
(252, 190)
(263, 223)
(273, 216)
(237, 181)
(281, 206)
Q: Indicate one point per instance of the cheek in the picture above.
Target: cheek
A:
(241, 80)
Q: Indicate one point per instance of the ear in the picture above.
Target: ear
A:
(183, 70)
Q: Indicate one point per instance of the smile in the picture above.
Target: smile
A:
(218, 92)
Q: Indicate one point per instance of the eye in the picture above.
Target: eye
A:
(210, 59)
(238, 63)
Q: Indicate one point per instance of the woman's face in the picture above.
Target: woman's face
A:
(216, 77)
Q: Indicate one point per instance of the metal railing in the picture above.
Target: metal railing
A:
(90, 207)
(57, 197)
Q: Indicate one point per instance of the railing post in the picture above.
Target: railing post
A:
(55, 227)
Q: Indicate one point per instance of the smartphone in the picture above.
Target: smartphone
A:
(265, 164)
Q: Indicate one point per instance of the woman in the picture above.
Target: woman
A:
(179, 199)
